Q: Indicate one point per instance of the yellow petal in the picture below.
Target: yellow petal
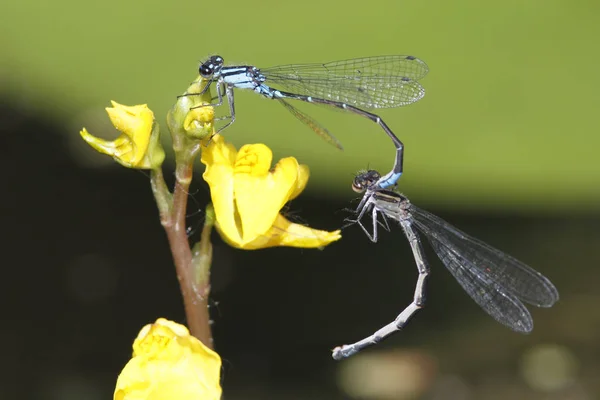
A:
(130, 119)
(138, 146)
(136, 123)
(260, 194)
(303, 175)
(286, 233)
(219, 158)
(100, 145)
(169, 363)
(247, 196)
(191, 115)
(198, 122)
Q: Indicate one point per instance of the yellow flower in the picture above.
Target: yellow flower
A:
(138, 146)
(169, 364)
(198, 122)
(191, 116)
(247, 197)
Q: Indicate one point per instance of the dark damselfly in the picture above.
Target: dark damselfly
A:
(496, 281)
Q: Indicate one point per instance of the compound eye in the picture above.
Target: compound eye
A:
(205, 71)
(358, 187)
(359, 184)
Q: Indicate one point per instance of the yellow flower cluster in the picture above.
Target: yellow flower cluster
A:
(247, 194)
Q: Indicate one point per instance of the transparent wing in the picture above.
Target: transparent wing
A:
(395, 65)
(503, 307)
(373, 82)
(469, 257)
(312, 124)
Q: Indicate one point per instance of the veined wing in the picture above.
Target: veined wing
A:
(312, 124)
(487, 263)
(492, 297)
(372, 82)
(395, 65)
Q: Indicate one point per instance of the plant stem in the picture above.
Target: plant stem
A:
(195, 294)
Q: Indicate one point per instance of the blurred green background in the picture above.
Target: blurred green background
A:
(504, 145)
(509, 118)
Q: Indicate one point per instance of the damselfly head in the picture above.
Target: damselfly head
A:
(365, 180)
(211, 67)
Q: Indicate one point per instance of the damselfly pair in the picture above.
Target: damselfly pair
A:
(350, 85)
(496, 281)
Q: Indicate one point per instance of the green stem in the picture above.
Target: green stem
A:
(202, 254)
(163, 197)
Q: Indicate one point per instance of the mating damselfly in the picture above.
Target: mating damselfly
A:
(496, 281)
(350, 85)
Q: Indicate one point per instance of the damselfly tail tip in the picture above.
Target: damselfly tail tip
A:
(337, 353)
